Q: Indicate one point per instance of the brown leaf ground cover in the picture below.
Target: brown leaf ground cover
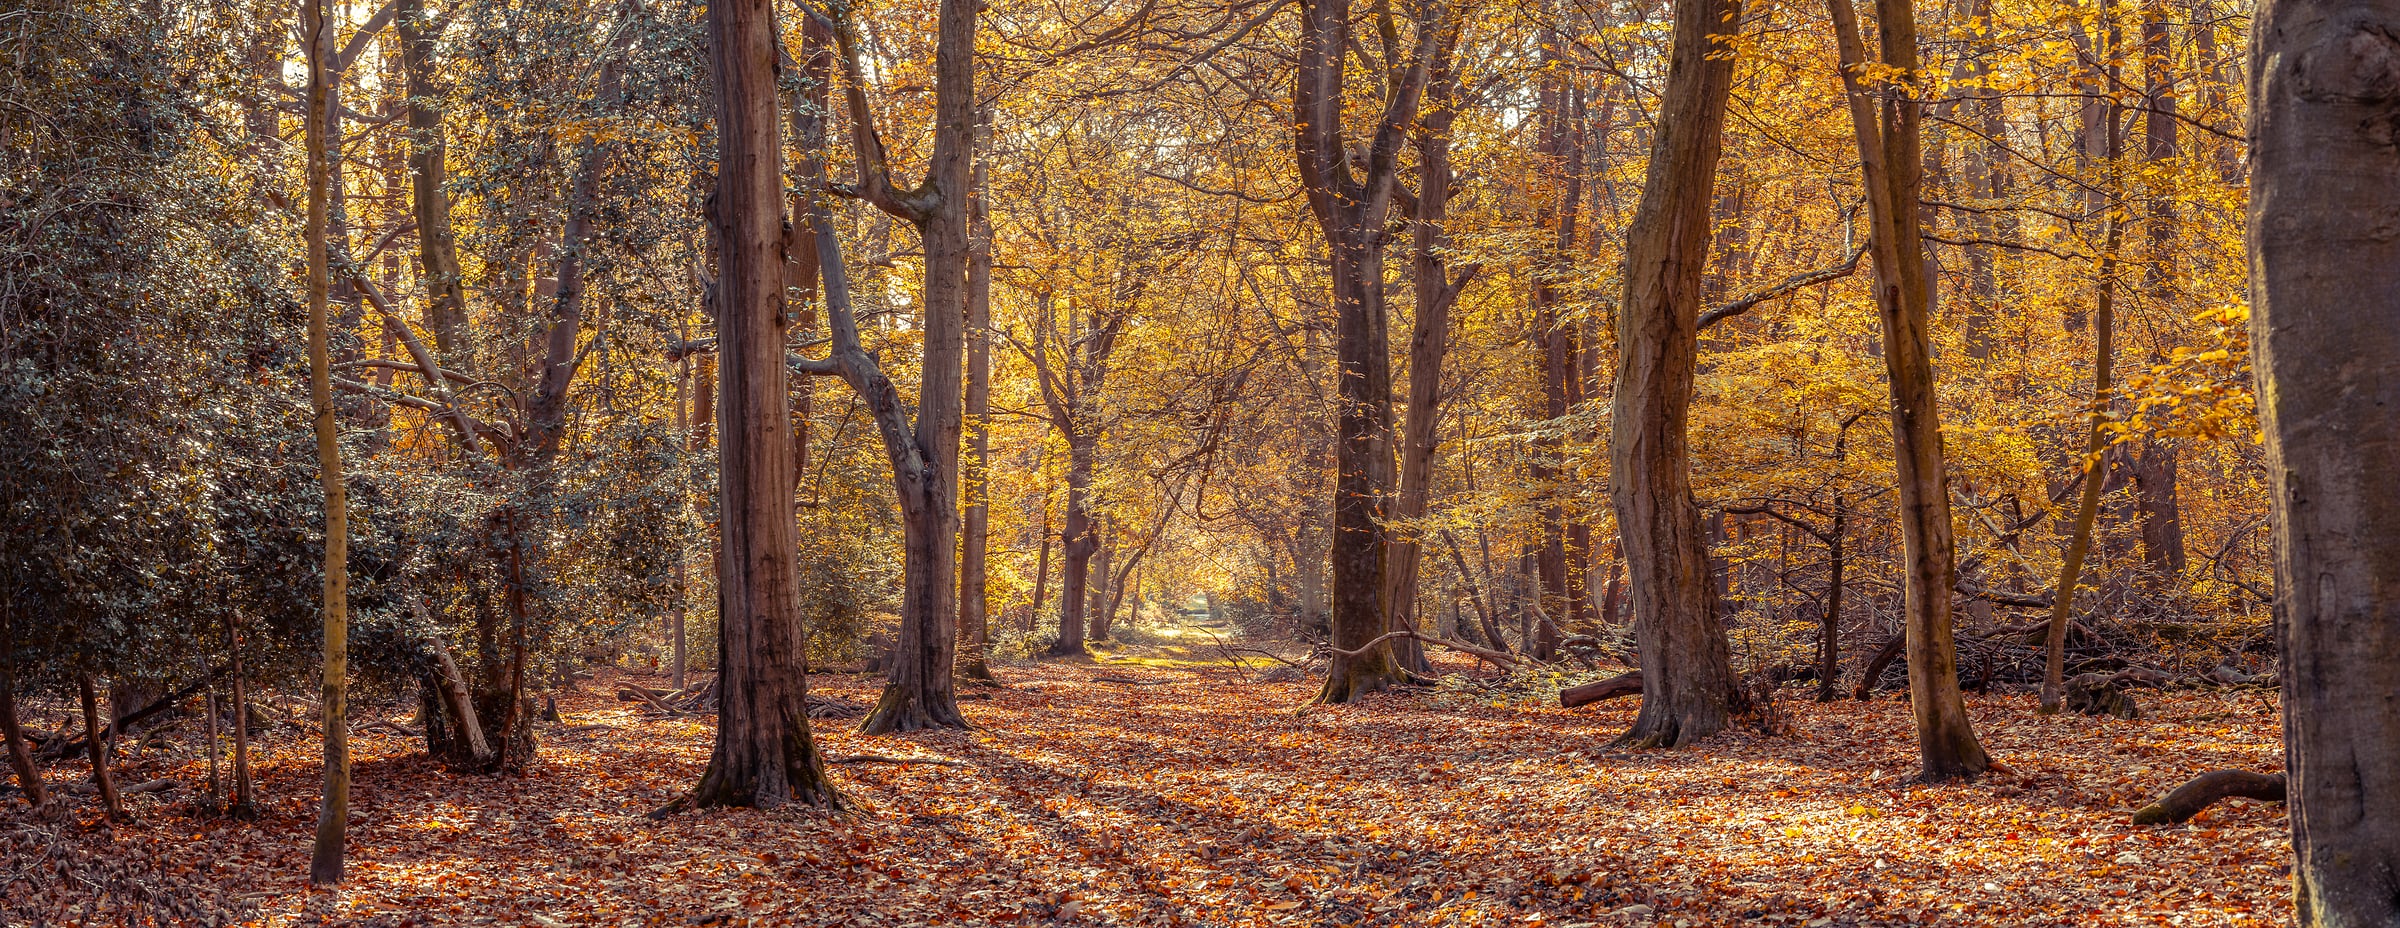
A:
(1204, 799)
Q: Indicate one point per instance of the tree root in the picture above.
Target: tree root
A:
(2205, 790)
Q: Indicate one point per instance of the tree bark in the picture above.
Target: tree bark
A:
(333, 815)
(1071, 394)
(2324, 333)
(1691, 691)
(1889, 160)
(2154, 463)
(458, 707)
(765, 756)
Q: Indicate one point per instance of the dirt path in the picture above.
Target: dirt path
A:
(1202, 800)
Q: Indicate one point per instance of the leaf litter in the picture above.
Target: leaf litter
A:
(1216, 802)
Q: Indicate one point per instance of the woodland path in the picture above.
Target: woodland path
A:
(1206, 800)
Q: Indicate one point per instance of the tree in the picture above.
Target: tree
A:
(1885, 118)
(2325, 329)
(1436, 289)
(1351, 208)
(1689, 690)
(765, 756)
(333, 815)
(975, 525)
(924, 454)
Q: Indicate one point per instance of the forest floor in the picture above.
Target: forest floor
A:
(1199, 796)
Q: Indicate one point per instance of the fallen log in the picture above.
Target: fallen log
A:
(642, 694)
(2205, 790)
(1505, 660)
(143, 714)
(1624, 684)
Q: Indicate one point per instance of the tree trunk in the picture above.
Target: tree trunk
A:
(20, 755)
(333, 816)
(2095, 466)
(2324, 331)
(1351, 211)
(2154, 464)
(1691, 691)
(1101, 603)
(1041, 574)
(1562, 151)
(1889, 160)
(975, 522)
(245, 797)
(1080, 542)
(919, 692)
(1829, 655)
(95, 745)
(765, 756)
(464, 742)
(2155, 478)
(428, 156)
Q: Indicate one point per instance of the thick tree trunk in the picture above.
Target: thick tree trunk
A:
(1889, 158)
(1351, 210)
(333, 815)
(919, 692)
(765, 756)
(1362, 468)
(2325, 336)
(1691, 691)
(2155, 478)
